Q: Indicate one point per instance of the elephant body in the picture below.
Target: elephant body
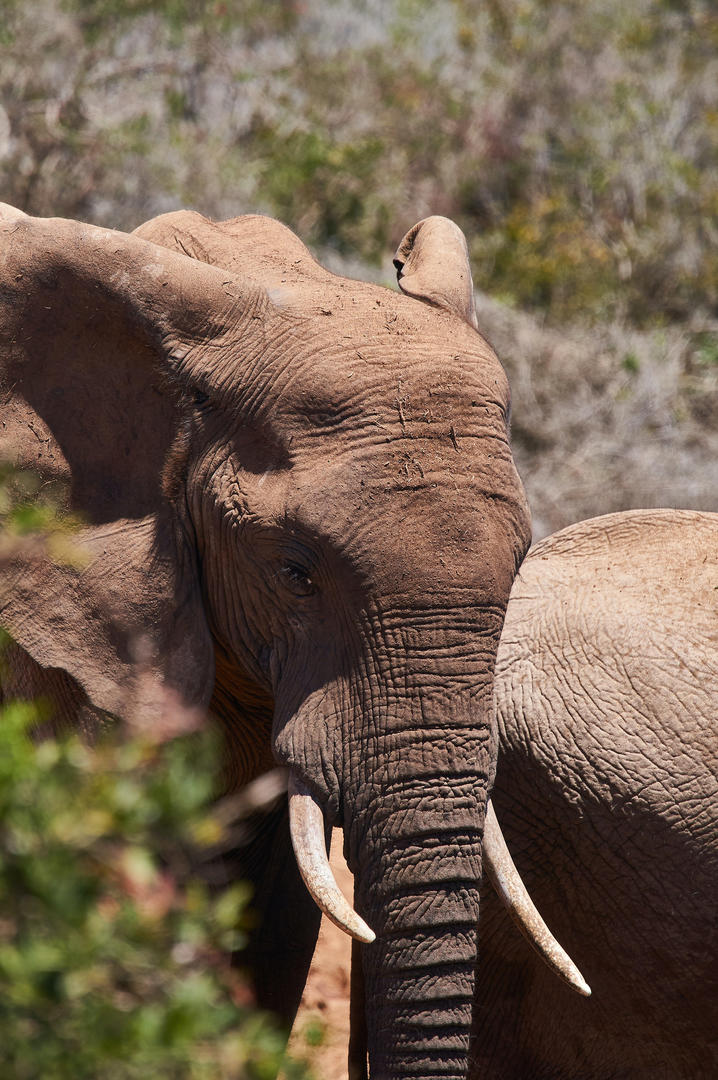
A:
(607, 793)
(301, 511)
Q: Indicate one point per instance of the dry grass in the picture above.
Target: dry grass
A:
(608, 418)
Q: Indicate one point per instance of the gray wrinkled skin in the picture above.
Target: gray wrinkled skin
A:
(607, 792)
(301, 508)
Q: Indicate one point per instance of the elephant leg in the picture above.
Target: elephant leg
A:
(357, 1019)
(285, 918)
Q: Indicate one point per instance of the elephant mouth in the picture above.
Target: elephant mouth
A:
(306, 822)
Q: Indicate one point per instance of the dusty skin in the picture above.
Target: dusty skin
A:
(252, 442)
(607, 792)
(606, 687)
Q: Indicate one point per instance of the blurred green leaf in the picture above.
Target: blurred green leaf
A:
(113, 952)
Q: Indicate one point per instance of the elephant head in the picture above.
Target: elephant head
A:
(298, 491)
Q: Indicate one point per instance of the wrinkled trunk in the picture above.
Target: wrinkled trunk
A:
(414, 802)
(420, 895)
(398, 744)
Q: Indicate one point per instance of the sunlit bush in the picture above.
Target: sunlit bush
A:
(576, 143)
(608, 418)
(112, 962)
(114, 956)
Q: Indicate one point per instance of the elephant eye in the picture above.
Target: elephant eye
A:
(298, 579)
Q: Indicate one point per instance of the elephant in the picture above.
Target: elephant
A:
(606, 691)
(301, 511)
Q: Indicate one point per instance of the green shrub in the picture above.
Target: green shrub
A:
(114, 955)
(113, 959)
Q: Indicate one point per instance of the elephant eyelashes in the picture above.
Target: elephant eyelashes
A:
(298, 580)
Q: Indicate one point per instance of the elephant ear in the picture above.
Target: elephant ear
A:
(102, 337)
(432, 264)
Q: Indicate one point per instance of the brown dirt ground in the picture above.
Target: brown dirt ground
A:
(326, 996)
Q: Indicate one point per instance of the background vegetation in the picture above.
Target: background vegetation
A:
(575, 141)
(111, 964)
(114, 953)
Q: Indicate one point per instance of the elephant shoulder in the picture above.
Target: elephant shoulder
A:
(636, 557)
(611, 642)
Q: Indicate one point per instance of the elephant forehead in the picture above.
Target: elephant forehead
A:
(409, 511)
(368, 356)
(413, 389)
(432, 435)
(389, 457)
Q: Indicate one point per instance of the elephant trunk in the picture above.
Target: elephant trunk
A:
(399, 746)
(421, 898)
(307, 828)
(414, 803)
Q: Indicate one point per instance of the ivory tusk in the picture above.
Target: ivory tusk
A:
(306, 825)
(504, 877)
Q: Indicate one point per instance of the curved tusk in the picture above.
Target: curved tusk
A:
(511, 890)
(306, 825)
